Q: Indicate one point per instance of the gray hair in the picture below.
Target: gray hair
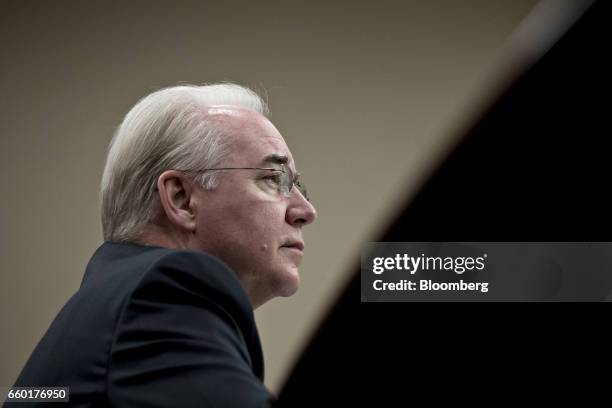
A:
(168, 129)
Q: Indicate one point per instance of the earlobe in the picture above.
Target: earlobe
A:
(175, 195)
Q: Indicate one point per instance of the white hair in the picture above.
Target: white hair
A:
(168, 129)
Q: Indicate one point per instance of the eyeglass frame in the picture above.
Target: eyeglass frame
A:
(291, 180)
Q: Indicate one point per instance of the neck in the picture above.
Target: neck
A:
(155, 235)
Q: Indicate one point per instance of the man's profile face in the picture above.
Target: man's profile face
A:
(245, 221)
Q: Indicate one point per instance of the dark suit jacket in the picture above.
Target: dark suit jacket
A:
(153, 327)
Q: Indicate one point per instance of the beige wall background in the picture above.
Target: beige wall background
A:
(367, 95)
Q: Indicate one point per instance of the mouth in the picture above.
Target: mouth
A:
(297, 245)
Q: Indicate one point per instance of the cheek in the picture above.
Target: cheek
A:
(258, 225)
(262, 226)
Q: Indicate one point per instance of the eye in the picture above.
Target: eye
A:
(273, 178)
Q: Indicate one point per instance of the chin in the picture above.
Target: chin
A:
(290, 283)
(289, 291)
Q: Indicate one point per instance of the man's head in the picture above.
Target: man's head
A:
(202, 168)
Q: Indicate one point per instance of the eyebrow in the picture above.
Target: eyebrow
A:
(275, 158)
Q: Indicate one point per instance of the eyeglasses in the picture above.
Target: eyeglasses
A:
(283, 178)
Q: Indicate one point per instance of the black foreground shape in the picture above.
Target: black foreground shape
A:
(535, 166)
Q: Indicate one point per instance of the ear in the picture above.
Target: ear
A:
(176, 199)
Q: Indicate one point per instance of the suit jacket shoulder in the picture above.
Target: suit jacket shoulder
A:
(153, 326)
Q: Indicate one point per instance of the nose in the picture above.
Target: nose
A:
(300, 211)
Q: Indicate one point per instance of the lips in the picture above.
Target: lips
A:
(299, 245)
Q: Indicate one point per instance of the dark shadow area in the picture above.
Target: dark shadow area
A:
(535, 167)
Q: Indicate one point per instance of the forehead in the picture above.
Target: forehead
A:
(250, 135)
